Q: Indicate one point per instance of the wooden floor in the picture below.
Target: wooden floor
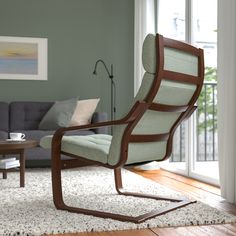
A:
(200, 191)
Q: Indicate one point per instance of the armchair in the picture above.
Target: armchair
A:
(167, 96)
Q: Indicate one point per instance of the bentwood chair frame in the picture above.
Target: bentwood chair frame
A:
(131, 119)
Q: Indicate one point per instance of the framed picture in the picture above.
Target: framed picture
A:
(23, 58)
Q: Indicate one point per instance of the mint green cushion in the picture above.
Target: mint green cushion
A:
(149, 54)
(59, 115)
(153, 122)
(179, 61)
(174, 93)
(140, 152)
(145, 87)
(170, 93)
(93, 147)
(174, 60)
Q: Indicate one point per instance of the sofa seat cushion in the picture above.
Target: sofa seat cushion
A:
(3, 135)
(38, 134)
(93, 147)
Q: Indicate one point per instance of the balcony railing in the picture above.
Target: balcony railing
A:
(205, 122)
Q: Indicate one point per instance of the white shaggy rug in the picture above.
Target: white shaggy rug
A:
(30, 210)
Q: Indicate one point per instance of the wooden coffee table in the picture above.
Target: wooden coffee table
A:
(17, 147)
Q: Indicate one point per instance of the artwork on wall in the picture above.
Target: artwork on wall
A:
(23, 58)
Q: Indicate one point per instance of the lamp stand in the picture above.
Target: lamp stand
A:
(113, 89)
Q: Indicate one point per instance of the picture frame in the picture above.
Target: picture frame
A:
(23, 58)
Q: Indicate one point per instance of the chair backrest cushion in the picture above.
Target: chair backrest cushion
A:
(170, 92)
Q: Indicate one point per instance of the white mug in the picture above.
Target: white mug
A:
(17, 136)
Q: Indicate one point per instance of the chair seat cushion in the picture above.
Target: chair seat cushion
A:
(93, 147)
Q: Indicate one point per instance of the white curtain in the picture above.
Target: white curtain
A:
(144, 23)
(227, 97)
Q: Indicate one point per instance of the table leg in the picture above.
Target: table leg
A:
(22, 168)
(4, 174)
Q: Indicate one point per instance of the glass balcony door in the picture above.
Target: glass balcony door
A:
(195, 151)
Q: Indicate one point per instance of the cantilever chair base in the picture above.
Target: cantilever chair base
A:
(136, 219)
(174, 204)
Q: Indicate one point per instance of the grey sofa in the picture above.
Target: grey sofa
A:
(25, 117)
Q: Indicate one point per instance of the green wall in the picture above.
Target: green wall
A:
(79, 32)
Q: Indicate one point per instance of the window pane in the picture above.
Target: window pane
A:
(171, 18)
(204, 35)
(195, 149)
(204, 32)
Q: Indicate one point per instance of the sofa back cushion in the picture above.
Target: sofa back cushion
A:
(27, 115)
(4, 116)
(59, 115)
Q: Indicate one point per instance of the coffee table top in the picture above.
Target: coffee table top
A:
(5, 145)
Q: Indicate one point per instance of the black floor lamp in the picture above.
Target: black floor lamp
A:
(113, 87)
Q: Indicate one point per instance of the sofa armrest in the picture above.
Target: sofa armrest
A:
(100, 117)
